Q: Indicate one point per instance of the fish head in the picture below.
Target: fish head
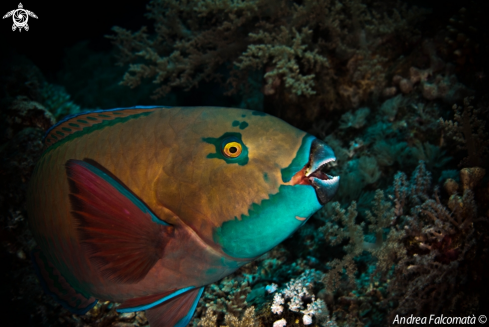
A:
(244, 180)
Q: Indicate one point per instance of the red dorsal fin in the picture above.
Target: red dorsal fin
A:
(124, 238)
(81, 122)
(175, 312)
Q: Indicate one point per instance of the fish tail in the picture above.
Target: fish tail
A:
(58, 287)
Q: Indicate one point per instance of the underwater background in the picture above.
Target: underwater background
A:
(399, 90)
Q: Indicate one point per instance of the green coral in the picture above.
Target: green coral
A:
(57, 101)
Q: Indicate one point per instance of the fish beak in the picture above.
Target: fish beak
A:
(315, 172)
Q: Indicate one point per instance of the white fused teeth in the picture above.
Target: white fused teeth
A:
(326, 182)
(318, 165)
(320, 155)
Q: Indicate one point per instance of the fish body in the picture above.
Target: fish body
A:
(147, 205)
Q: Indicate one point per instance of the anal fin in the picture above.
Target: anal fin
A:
(56, 286)
(175, 312)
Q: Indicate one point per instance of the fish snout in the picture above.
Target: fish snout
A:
(315, 172)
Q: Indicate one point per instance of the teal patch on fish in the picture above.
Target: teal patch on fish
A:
(235, 123)
(268, 223)
(300, 160)
(243, 125)
(220, 142)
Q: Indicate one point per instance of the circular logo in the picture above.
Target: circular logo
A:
(20, 17)
(482, 319)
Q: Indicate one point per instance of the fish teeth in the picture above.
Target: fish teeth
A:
(319, 165)
(320, 155)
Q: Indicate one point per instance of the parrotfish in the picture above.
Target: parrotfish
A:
(148, 205)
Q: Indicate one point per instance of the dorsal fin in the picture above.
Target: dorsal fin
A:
(79, 122)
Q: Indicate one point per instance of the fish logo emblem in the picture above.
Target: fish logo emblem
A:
(20, 17)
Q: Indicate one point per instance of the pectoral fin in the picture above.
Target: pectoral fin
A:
(124, 238)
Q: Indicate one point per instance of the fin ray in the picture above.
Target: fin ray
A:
(175, 312)
(122, 236)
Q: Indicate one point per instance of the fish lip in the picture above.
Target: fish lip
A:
(321, 157)
(325, 189)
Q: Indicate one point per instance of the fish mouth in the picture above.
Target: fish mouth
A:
(315, 172)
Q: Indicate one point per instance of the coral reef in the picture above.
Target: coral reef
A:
(438, 81)
(469, 132)
(227, 297)
(92, 79)
(298, 290)
(319, 55)
(358, 74)
(248, 320)
(422, 250)
(58, 101)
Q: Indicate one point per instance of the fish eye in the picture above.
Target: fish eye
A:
(232, 149)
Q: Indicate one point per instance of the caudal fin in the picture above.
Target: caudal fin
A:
(56, 285)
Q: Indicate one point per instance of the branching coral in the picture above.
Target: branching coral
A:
(440, 240)
(356, 120)
(387, 154)
(369, 169)
(468, 130)
(248, 320)
(283, 51)
(58, 101)
(229, 297)
(390, 107)
(296, 293)
(403, 249)
(431, 154)
(421, 248)
(290, 43)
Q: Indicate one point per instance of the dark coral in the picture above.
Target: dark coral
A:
(311, 56)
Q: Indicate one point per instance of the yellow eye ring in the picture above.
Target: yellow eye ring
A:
(232, 149)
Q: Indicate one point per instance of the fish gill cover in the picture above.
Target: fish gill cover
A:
(398, 91)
